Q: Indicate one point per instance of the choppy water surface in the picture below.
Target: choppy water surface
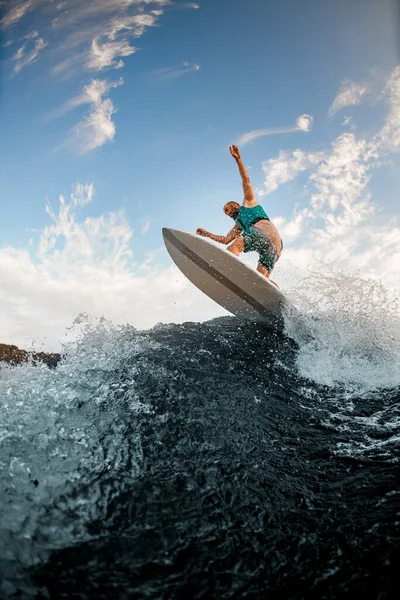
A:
(217, 460)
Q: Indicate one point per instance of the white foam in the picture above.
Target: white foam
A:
(62, 430)
(348, 331)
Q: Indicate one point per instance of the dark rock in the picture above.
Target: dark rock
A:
(15, 356)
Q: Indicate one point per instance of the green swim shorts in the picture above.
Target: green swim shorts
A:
(257, 241)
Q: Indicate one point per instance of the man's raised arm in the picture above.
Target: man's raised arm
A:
(247, 189)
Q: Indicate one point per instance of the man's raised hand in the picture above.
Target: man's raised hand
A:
(234, 150)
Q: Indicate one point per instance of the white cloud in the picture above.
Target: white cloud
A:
(343, 175)
(93, 34)
(107, 54)
(17, 11)
(91, 94)
(82, 194)
(291, 229)
(19, 55)
(303, 123)
(97, 128)
(75, 11)
(88, 267)
(341, 226)
(350, 94)
(287, 167)
(87, 36)
(103, 42)
(24, 58)
(144, 225)
(389, 135)
(97, 88)
(175, 72)
(334, 222)
(136, 24)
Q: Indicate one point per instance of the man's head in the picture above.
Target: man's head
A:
(231, 209)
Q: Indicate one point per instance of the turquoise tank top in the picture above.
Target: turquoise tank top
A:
(248, 216)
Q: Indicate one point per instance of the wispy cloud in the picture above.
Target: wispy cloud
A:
(347, 121)
(340, 225)
(17, 10)
(134, 24)
(97, 128)
(338, 194)
(86, 37)
(174, 72)
(341, 178)
(189, 5)
(291, 229)
(287, 167)
(76, 266)
(303, 123)
(389, 135)
(73, 12)
(89, 35)
(350, 94)
(144, 225)
(82, 194)
(24, 57)
(91, 93)
(107, 55)
(107, 44)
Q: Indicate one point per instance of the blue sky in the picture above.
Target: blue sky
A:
(140, 100)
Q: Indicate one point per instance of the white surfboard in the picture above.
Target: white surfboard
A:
(223, 277)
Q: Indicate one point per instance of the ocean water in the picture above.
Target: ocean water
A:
(225, 459)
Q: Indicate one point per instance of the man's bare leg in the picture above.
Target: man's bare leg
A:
(237, 246)
(261, 269)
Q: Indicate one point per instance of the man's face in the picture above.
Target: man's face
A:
(230, 210)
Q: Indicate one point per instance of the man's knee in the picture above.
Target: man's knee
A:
(263, 270)
(232, 248)
(236, 247)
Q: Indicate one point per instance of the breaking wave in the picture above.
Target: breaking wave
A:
(223, 459)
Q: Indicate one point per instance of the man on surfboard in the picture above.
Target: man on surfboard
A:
(253, 231)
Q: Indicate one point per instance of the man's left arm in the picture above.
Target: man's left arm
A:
(222, 239)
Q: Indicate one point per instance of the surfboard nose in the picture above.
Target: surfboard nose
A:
(168, 231)
(165, 230)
